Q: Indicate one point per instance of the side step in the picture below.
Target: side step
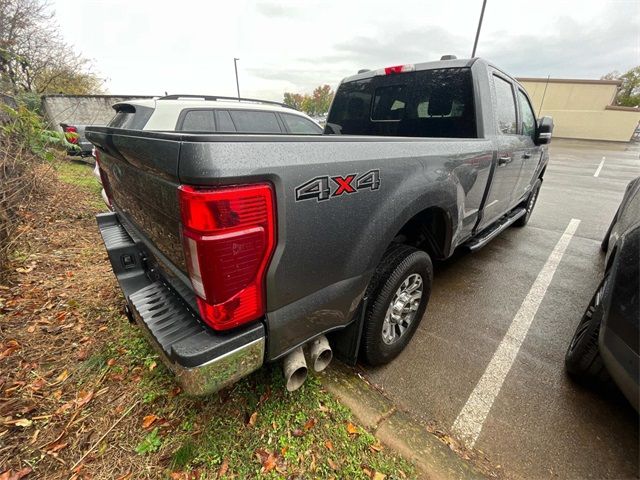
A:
(495, 229)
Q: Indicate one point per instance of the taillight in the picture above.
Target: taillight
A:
(228, 236)
(71, 134)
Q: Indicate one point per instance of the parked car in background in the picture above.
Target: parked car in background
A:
(236, 250)
(605, 344)
(211, 114)
(75, 135)
(207, 114)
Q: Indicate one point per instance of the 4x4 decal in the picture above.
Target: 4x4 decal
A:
(326, 187)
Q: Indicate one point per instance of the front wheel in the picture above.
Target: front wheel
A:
(399, 292)
(531, 202)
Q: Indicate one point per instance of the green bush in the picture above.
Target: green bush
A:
(27, 129)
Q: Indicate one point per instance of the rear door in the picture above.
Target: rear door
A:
(528, 152)
(507, 143)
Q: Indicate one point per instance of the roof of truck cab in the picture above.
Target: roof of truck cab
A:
(455, 63)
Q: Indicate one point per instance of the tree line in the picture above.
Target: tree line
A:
(629, 92)
(315, 104)
(34, 58)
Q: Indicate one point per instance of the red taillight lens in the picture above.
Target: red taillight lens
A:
(228, 236)
(71, 134)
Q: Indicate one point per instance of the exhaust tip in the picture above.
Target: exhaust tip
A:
(320, 353)
(296, 379)
(295, 369)
(323, 360)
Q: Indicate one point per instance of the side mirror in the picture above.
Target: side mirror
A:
(544, 130)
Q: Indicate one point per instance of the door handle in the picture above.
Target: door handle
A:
(526, 155)
(504, 160)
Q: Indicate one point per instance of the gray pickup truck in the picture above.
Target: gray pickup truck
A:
(233, 250)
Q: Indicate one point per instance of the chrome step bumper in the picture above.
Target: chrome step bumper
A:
(202, 360)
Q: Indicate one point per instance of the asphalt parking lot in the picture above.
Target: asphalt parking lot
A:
(464, 371)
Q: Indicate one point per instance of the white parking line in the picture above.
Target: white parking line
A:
(599, 167)
(470, 420)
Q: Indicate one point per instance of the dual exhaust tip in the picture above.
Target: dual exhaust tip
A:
(295, 365)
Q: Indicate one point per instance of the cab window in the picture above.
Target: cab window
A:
(505, 106)
(528, 122)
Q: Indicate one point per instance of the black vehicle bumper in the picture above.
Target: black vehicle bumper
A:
(203, 361)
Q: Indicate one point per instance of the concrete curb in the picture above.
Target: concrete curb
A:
(397, 430)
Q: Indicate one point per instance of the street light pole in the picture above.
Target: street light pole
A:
(475, 44)
(235, 65)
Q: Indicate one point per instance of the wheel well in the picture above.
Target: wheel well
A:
(428, 230)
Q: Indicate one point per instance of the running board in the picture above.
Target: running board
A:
(493, 230)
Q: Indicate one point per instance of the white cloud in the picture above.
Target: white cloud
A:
(145, 47)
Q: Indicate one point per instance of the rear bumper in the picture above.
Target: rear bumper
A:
(202, 361)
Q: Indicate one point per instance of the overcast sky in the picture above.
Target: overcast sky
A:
(187, 46)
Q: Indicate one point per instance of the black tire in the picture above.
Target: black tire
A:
(582, 360)
(529, 204)
(398, 266)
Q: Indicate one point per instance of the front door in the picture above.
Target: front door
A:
(528, 152)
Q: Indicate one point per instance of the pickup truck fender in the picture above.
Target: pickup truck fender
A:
(403, 196)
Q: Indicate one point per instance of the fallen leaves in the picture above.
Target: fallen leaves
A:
(310, 424)
(9, 348)
(328, 444)
(148, 420)
(222, 471)
(83, 397)
(376, 447)
(10, 475)
(21, 422)
(352, 429)
(62, 377)
(252, 419)
(267, 459)
(26, 269)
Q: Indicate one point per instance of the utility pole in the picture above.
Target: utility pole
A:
(235, 65)
(475, 44)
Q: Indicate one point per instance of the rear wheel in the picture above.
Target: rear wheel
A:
(399, 292)
(583, 361)
(529, 205)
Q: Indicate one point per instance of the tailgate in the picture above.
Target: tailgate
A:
(142, 180)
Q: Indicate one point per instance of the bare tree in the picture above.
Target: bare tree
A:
(33, 55)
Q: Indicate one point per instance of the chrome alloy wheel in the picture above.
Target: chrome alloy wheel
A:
(402, 309)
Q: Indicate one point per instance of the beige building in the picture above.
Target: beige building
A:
(582, 108)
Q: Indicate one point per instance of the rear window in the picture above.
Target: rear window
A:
(224, 122)
(132, 117)
(429, 103)
(198, 121)
(252, 121)
(298, 124)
